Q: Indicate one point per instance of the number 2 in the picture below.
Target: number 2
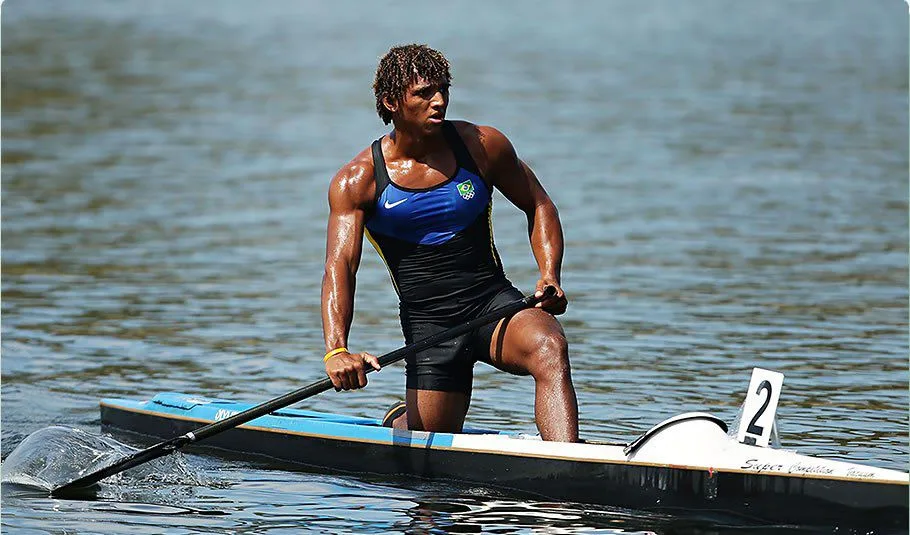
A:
(754, 429)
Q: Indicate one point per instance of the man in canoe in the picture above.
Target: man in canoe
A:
(423, 196)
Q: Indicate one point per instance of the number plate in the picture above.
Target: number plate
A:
(760, 407)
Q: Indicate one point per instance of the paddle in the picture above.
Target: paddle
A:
(169, 446)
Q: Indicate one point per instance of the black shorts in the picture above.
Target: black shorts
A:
(449, 366)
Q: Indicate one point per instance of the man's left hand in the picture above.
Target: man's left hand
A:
(555, 305)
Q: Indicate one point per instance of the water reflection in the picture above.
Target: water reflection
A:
(476, 513)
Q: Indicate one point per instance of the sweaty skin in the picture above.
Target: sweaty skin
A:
(417, 156)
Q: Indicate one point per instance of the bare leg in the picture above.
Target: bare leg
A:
(430, 410)
(532, 342)
(401, 422)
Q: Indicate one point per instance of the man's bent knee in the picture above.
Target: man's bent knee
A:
(550, 356)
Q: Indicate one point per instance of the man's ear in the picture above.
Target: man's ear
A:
(389, 104)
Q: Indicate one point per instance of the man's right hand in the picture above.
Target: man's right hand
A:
(347, 370)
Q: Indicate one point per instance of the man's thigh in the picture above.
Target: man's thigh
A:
(517, 338)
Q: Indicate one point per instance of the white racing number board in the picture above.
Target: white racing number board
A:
(760, 407)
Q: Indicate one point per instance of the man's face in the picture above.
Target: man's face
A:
(424, 104)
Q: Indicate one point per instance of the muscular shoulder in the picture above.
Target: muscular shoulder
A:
(354, 182)
(489, 147)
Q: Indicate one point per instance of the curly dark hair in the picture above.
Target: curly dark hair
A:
(402, 66)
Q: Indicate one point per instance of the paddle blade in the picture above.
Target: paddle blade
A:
(54, 455)
(78, 485)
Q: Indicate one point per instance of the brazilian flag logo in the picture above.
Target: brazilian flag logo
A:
(466, 190)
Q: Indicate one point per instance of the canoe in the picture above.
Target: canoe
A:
(685, 465)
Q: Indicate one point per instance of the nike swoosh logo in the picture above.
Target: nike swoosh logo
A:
(389, 205)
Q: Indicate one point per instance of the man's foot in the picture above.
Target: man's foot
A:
(393, 413)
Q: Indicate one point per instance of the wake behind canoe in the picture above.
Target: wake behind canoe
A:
(688, 464)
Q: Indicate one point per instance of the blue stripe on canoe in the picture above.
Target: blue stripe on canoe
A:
(294, 420)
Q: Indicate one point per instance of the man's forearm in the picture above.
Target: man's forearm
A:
(546, 240)
(337, 306)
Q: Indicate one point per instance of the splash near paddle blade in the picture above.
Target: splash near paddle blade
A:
(54, 455)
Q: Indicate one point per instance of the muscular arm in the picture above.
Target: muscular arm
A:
(350, 193)
(344, 241)
(520, 185)
(544, 227)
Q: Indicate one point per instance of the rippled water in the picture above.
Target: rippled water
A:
(732, 184)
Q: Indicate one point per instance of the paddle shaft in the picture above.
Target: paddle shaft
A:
(169, 446)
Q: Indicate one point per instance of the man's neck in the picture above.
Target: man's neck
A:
(415, 146)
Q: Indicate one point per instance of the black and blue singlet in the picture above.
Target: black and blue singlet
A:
(438, 246)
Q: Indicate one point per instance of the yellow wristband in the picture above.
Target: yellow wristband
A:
(334, 352)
